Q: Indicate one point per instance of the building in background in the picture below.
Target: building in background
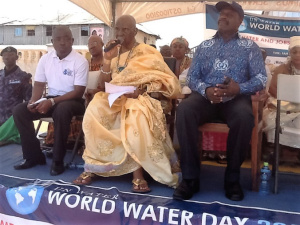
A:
(32, 37)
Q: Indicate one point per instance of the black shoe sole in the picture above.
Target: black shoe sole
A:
(186, 196)
(234, 198)
(33, 164)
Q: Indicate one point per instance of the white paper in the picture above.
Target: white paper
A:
(116, 91)
(93, 78)
(38, 101)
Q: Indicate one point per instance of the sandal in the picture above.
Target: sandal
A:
(85, 178)
(140, 186)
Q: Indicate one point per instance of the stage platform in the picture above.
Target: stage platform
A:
(32, 196)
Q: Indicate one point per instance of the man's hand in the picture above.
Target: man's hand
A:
(31, 106)
(260, 96)
(216, 94)
(44, 106)
(135, 94)
(113, 52)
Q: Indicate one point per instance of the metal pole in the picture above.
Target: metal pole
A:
(277, 146)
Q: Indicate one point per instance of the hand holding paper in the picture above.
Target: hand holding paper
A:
(116, 91)
(38, 101)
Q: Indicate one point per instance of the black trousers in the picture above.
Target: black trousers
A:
(61, 113)
(197, 110)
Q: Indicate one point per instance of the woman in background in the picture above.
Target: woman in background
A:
(290, 112)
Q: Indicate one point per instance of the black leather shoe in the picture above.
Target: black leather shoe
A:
(234, 191)
(186, 189)
(28, 163)
(57, 168)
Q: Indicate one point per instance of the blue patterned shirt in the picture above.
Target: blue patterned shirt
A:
(240, 59)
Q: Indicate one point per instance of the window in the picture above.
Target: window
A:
(18, 32)
(49, 31)
(84, 31)
(145, 40)
(30, 30)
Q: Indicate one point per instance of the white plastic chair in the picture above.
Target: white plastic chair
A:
(288, 89)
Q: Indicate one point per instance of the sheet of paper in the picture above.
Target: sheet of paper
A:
(93, 79)
(38, 101)
(116, 91)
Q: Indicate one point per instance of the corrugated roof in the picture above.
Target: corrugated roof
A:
(61, 19)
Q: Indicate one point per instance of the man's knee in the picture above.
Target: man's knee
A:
(68, 109)
(19, 110)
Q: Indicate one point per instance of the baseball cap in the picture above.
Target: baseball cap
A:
(233, 5)
(9, 49)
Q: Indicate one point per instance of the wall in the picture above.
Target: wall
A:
(29, 58)
(7, 35)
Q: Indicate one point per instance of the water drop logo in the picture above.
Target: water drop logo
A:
(243, 26)
(25, 199)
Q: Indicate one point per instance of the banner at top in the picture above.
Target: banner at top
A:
(257, 24)
(271, 34)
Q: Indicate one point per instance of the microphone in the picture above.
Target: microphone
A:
(112, 45)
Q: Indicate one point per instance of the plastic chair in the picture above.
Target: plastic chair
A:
(256, 139)
(288, 89)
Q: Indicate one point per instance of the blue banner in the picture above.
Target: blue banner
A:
(270, 33)
(37, 202)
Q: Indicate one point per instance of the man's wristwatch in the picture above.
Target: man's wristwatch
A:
(52, 101)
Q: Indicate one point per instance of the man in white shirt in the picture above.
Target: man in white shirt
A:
(65, 72)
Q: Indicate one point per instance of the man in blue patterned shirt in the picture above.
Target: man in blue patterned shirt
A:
(225, 72)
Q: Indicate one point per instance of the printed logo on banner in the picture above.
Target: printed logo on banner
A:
(243, 26)
(25, 199)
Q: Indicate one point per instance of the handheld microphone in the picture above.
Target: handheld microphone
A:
(112, 45)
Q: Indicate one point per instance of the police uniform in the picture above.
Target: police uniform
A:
(15, 87)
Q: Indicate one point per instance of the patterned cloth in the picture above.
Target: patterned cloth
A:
(15, 87)
(216, 58)
(132, 133)
(289, 116)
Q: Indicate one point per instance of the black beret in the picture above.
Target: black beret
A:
(9, 49)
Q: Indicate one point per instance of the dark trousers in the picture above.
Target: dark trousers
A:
(61, 113)
(197, 110)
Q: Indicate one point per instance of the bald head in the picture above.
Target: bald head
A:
(62, 29)
(95, 45)
(95, 38)
(125, 30)
(128, 20)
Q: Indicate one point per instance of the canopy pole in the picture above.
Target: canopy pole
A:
(113, 20)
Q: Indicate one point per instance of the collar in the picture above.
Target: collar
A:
(236, 36)
(10, 71)
(67, 58)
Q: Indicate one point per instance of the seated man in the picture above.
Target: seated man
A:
(95, 45)
(15, 87)
(130, 135)
(221, 85)
(65, 71)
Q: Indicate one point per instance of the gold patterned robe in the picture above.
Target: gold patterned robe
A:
(132, 133)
